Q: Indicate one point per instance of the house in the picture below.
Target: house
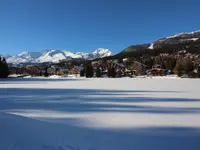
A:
(76, 70)
(94, 63)
(156, 66)
(57, 70)
(156, 70)
(130, 73)
(62, 71)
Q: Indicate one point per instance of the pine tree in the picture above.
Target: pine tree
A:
(46, 72)
(98, 72)
(82, 73)
(113, 72)
(188, 65)
(198, 72)
(178, 69)
(89, 70)
(3, 68)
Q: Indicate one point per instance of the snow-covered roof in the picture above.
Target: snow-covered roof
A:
(156, 65)
(125, 59)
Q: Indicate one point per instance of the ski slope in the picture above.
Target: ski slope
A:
(99, 114)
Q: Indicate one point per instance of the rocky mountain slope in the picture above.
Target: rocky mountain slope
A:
(55, 56)
(183, 42)
(182, 38)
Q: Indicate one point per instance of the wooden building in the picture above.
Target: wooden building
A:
(156, 71)
(75, 70)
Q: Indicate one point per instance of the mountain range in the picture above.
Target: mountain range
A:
(188, 42)
(55, 56)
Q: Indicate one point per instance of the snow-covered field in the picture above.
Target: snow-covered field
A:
(99, 114)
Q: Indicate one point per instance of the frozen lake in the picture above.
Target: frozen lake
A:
(99, 114)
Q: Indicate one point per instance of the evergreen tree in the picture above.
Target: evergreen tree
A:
(46, 72)
(89, 70)
(198, 72)
(109, 72)
(3, 68)
(82, 73)
(188, 65)
(40, 73)
(178, 69)
(98, 72)
(113, 72)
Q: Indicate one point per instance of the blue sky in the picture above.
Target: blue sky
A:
(84, 25)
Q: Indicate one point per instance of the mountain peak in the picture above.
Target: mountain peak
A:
(23, 53)
(102, 52)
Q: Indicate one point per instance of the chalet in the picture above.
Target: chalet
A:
(156, 66)
(56, 70)
(131, 72)
(94, 63)
(156, 70)
(76, 70)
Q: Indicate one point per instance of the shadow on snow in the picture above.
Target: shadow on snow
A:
(90, 100)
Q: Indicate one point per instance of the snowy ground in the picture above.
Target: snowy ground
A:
(99, 114)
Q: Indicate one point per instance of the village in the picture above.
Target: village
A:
(182, 65)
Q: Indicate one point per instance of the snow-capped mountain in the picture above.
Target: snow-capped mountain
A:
(24, 57)
(55, 56)
(100, 53)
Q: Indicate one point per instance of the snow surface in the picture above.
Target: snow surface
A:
(194, 39)
(99, 114)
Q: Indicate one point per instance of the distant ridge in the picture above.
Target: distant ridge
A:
(55, 56)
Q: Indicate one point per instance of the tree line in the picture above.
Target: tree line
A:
(4, 72)
(89, 71)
